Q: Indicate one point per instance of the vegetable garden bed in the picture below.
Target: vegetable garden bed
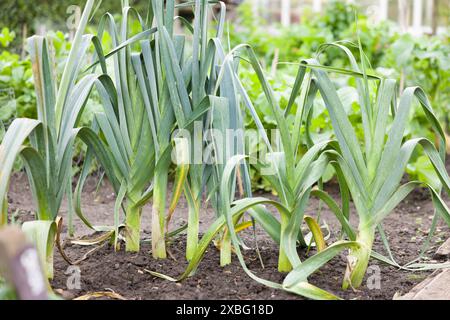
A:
(176, 102)
(125, 274)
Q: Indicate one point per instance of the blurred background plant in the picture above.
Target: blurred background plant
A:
(411, 59)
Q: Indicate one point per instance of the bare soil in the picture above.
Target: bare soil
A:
(124, 273)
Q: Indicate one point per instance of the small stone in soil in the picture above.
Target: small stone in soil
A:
(444, 251)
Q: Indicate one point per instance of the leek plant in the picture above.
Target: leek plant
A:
(203, 176)
(227, 140)
(133, 144)
(371, 178)
(373, 173)
(48, 154)
(225, 123)
(162, 68)
(123, 139)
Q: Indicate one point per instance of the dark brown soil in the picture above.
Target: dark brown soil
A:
(124, 273)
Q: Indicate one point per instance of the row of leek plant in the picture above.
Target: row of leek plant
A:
(158, 89)
(149, 97)
(370, 178)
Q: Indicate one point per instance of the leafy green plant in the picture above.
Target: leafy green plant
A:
(373, 174)
(6, 37)
(48, 157)
(223, 115)
(422, 61)
(17, 90)
(338, 16)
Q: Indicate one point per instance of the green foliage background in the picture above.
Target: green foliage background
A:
(412, 60)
